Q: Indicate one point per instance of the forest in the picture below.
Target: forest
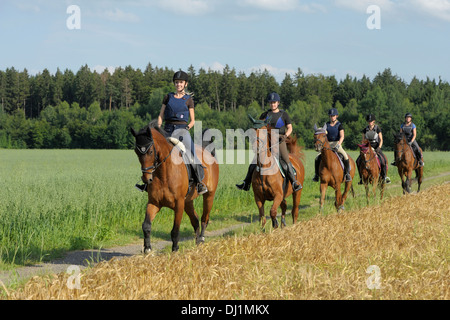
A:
(91, 110)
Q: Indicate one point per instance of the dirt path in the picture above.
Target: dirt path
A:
(85, 258)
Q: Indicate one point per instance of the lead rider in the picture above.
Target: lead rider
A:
(177, 110)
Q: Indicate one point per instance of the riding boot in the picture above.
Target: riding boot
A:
(394, 163)
(248, 179)
(291, 175)
(419, 158)
(199, 175)
(141, 187)
(316, 168)
(348, 177)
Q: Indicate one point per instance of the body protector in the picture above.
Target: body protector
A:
(177, 109)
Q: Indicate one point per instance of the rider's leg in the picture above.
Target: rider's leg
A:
(316, 168)
(291, 175)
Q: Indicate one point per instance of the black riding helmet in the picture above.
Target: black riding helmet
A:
(180, 75)
(370, 118)
(408, 115)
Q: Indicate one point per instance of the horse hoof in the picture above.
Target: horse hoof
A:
(200, 240)
(283, 222)
(341, 209)
(146, 250)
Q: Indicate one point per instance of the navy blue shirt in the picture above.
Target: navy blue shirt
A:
(177, 109)
(333, 131)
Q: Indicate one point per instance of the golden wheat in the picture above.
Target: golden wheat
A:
(406, 237)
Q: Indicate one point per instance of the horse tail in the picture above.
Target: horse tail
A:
(208, 142)
(294, 148)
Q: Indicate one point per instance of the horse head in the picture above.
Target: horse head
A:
(320, 137)
(146, 152)
(364, 147)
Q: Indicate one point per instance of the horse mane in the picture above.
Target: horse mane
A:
(154, 125)
(294, 148)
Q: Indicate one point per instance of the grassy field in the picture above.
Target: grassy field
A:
(53, 201)
(396, 250)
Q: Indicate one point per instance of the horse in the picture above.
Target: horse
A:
(168, 183)
(406, 162)
(268, 183)
(330, 171)
(369, 170)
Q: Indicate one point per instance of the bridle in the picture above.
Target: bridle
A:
(321, 145)
(156, 163)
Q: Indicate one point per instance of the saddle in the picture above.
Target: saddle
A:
(282, 165)
(186, 159)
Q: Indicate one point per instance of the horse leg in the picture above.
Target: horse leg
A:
(262, 217)
(208, 200)
(408, 181)
(150, 214)
(419, 176)
(189, 208)
(295, 203)
(339, 202)
(273, 211)
(175, 233)
(366, 186)
(283, 206)
(323, 192)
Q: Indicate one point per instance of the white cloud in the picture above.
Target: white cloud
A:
(100, 69)
(215, 66)
(437, 8)
(278, 73)
(187, 7)
(271, 5)
(361, 5)
(118, 15)
(282, 5)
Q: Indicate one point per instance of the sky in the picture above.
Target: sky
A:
(336, 37)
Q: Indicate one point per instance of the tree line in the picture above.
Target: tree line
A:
(88, 109)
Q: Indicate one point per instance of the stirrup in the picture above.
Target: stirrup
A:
(393, 163)
(299, 186)
(243, 186)
(360, 182)
(141, 187)
(315, 178)
(387, 180)
(201, 188)
(421, 163)
(348, 177)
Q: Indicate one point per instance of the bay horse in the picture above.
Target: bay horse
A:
(268, 182)
(168, 183)
(331, 172)
(406, 162)
(369, 170)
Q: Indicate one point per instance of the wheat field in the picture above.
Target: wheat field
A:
(397, 250)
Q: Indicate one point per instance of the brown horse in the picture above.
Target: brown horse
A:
(168, 184)
(267, 181)
(330, 171)
(369, 170)
(406, 162)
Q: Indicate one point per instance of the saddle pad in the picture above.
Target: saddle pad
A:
(180, 145)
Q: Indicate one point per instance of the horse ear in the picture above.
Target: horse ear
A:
(324, 127)
(149, 132)
(133, 132)
(315, 127)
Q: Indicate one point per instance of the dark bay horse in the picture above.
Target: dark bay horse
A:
(330, 171)
(406, 162)
(369, 170)
(168, 183)
(268, 183)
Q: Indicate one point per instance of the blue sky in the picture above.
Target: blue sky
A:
(326, 37)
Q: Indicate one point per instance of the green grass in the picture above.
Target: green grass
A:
(53, 201)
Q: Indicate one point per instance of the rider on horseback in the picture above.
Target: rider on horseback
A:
(409, 128)
(278, 119)
(373, 134)
(178, 113)
(335, 136)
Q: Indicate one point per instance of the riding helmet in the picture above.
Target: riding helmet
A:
(180, 75)
(273, 97)
(408, 115)
(333, 112)
(370, 118)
